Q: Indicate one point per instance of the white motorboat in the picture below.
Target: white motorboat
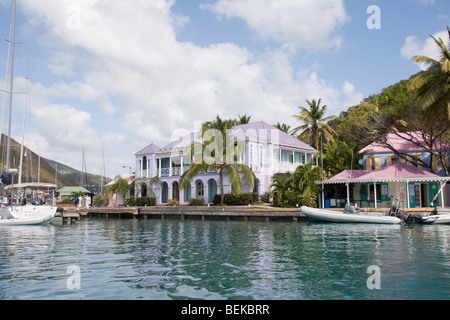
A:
(436, 219)
(349, 217)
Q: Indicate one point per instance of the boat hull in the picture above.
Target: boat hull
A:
(340, 217)
(27, 215)
(436, 219)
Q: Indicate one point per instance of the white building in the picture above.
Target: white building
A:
(267, 150)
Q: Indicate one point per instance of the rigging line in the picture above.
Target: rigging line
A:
(3, 147)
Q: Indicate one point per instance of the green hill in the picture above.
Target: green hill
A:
(65, 177)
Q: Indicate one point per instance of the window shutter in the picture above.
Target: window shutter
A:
(377, 163)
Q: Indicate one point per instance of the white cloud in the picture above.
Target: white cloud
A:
(306, 23)
(415, 47)
(136, 83)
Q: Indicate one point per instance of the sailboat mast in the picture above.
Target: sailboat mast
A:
(23, 134)
(11, 80)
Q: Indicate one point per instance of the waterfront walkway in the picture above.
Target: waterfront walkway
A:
(245, 213)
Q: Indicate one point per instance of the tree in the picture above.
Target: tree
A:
(315, 124)
(433, 85)
(279, 189)
(283, 127)
(296, 189)
(304, 179)
(339, 156)
(218, 153)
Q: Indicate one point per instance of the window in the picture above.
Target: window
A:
(373, 163)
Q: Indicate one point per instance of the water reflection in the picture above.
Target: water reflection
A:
(131, 259)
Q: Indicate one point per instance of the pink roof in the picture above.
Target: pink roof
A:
(395, 172)
(398, 170)
(349, 174)
(402, 145)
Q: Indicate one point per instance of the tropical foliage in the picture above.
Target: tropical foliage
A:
(296, 189)
(219, 156)
(315, 124)
(433, 85)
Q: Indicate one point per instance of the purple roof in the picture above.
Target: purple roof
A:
(263, 132)
(256, 131)
(149, 149)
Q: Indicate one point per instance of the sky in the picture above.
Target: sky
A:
(117, 75)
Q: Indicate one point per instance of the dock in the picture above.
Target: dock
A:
(242, 213)
(253, 213)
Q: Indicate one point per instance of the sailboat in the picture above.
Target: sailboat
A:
(16, 212)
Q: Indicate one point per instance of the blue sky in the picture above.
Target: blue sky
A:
(127, 73)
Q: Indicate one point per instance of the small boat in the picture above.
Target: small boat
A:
(36, 211)
(436, 219)
(27, 219)
(349, 216)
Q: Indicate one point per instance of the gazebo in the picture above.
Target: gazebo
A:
(416, 187)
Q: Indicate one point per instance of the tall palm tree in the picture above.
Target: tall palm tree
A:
(315, 124)
(433, 84)
(218, 155)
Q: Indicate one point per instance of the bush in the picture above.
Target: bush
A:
(145, 201)
(265, 197)
(173, 202)
(196, 202)
(130, 201)
(100, 200)
(238, 199)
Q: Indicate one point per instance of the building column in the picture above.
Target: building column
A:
(159, 168)
(181, 165)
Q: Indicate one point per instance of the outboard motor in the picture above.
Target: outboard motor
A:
(402, 216)
(351, 210)
(396, 212)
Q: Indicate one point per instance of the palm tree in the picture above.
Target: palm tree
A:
(243, 119)
(283, 127)
(315, 124)
(219, 156)
(433, 85)
(279, 189)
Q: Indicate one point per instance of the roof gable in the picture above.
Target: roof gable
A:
(149, 150)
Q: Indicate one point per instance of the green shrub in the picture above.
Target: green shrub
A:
(130, 201)
(145, 201)
(196, 202)
(238, 199)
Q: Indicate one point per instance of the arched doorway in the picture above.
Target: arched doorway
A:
(176, 191)
(165, 193)
(212, 189)
(187, 193)
(199, 189)
(143, 189)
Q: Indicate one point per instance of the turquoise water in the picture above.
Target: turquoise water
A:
(153, 259)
